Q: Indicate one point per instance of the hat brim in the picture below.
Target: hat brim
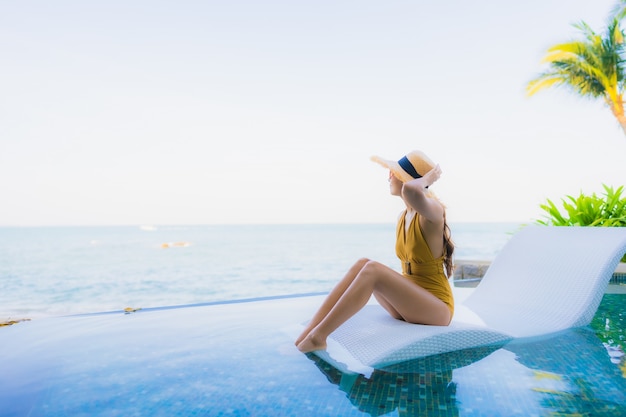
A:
(394, 167)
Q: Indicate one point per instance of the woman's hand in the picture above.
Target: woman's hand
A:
(431, 176)
(427, 180)
(415, 195)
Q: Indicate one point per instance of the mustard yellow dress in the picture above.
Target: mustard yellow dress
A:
(418, 263)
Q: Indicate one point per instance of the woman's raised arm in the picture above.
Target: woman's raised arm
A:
(414, 193)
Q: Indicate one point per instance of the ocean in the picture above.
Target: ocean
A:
(51, 271)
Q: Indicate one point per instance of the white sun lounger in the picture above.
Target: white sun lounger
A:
(544, 280)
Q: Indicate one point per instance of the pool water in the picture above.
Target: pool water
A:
(238, 359)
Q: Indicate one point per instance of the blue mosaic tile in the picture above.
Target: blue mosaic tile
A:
(229, 361)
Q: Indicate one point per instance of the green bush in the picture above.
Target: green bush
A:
(584, 210)
(587, 210)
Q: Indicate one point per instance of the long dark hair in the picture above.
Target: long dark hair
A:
(448, 247)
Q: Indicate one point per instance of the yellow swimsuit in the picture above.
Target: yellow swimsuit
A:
(418, 263)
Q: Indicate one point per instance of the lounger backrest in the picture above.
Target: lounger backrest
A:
(548, 278)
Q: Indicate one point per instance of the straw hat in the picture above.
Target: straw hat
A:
(414, 165)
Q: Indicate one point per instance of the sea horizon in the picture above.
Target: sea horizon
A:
(156, 225)
(60, 270)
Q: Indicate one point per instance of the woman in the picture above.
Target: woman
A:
(421, 294)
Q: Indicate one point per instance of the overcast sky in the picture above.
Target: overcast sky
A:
(206, 112)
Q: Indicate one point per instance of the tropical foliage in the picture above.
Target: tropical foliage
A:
(588, 210)
(593, 66)
(619, 11)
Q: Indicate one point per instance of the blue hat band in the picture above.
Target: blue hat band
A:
(406, 165)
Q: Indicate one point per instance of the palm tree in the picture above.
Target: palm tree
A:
(619, 10)
(592, 67)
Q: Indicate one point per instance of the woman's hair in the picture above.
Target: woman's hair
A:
(448, 244)
(448, 247)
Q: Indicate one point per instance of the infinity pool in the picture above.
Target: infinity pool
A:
(238, 359)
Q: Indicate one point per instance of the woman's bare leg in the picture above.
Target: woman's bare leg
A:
(332, 297)
(411, 302)
(387, 306)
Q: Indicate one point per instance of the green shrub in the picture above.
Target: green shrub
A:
(585, 210)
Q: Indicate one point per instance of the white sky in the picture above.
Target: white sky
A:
(202, 112)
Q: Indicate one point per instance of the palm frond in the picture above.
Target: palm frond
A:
(587, 31)
(559, 55)
(591, 67)
(616, 34)
(542, 82)
(619, 11)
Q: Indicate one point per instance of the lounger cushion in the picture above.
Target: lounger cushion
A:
(544, 280)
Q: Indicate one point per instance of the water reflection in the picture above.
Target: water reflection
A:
(609, 324)
(422, 386)
(590, 383)
(570, 373)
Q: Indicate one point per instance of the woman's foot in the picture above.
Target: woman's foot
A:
(311, 343)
